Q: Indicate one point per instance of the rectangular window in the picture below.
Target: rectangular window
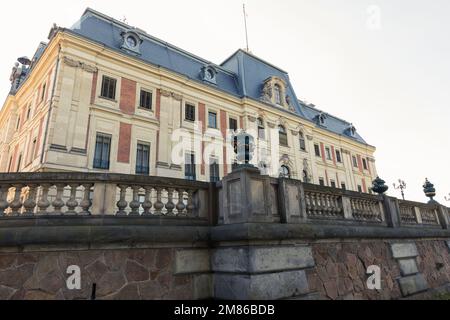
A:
(143, 159)
(328, 153)
(333, 183)
(19, 163)
(108, 88)
(343, 186)
(317, 150)
(359, 189)
(364, 164)
(212, 120)
(189, 166)
(338, 156)
(146, 100)
(302, 142)
(189, 112)
(233, 124)
(261, 130)
(33, 149)
(214, 174)
(44, 87)
(102, 151)
(322, 182)
(355, 162)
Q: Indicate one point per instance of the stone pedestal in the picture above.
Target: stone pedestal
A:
(248, 197)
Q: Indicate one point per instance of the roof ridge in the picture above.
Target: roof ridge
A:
(156, 39)
(320, 110)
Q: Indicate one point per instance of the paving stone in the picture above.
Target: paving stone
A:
(408, 266)
(413, 284)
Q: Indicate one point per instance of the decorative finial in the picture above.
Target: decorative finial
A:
(379, 186)
(429, 190)
(244, 146)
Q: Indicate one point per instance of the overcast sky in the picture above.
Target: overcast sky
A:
(383, 65)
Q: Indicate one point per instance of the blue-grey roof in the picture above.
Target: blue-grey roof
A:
(241, 75)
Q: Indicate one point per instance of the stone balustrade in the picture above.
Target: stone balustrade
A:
(416, 213)
(85, 194)
(244, 196)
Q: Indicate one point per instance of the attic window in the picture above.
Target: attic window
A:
(208, 74)
(351, 130)
(321, 119)
(131, 42)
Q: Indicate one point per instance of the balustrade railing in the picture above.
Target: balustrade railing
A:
(415, 213)
(323, 205)
(83, 194)
(366, 209)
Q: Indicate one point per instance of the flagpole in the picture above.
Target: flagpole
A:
(245, 23)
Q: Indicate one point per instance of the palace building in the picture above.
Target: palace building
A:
(103, 96)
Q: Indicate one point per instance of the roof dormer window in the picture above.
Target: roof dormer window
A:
(351, 130)
(277, 94)
(131, 42)
(208, 74)
(321, 117)
(274, 92)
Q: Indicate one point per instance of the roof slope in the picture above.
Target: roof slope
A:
(241, 75)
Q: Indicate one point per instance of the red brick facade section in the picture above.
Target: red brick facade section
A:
(368, 166)
(333, 155)
(360, 166)
(123, 153)
(364, 186)
(241, 120)
(94, 86)
(322, 150)
(128, 96)
(201, 118)
(223, 128)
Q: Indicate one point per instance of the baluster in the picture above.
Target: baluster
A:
(170, 205)
(190, 206)
(322, 204)
(159, 205)
(16, 204)
(86, 203)
(3, 203)
(180, 205)
(43, 202)
(135, 204)
(353, 205)
(30, 202)
(122, 203)
(315, 207)
(147, 205)
(58, 203)
(72, 203)
(308, 203)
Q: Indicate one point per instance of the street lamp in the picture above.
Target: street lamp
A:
(401, 187)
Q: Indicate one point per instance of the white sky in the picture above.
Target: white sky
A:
(392, 82)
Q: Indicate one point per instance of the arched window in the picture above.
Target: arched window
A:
(283, 136)
(277, 93)
(261, 129)
(302, 141)
(285, 172)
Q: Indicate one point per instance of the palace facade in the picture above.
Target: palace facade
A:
(103, 96)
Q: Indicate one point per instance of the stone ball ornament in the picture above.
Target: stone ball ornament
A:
(379, 186)
(244, 147)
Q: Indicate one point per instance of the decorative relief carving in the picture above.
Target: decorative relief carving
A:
(177, 96)
(310, 138)
(271, 124)
(78, 64)
(165, 93)
(251, 118)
